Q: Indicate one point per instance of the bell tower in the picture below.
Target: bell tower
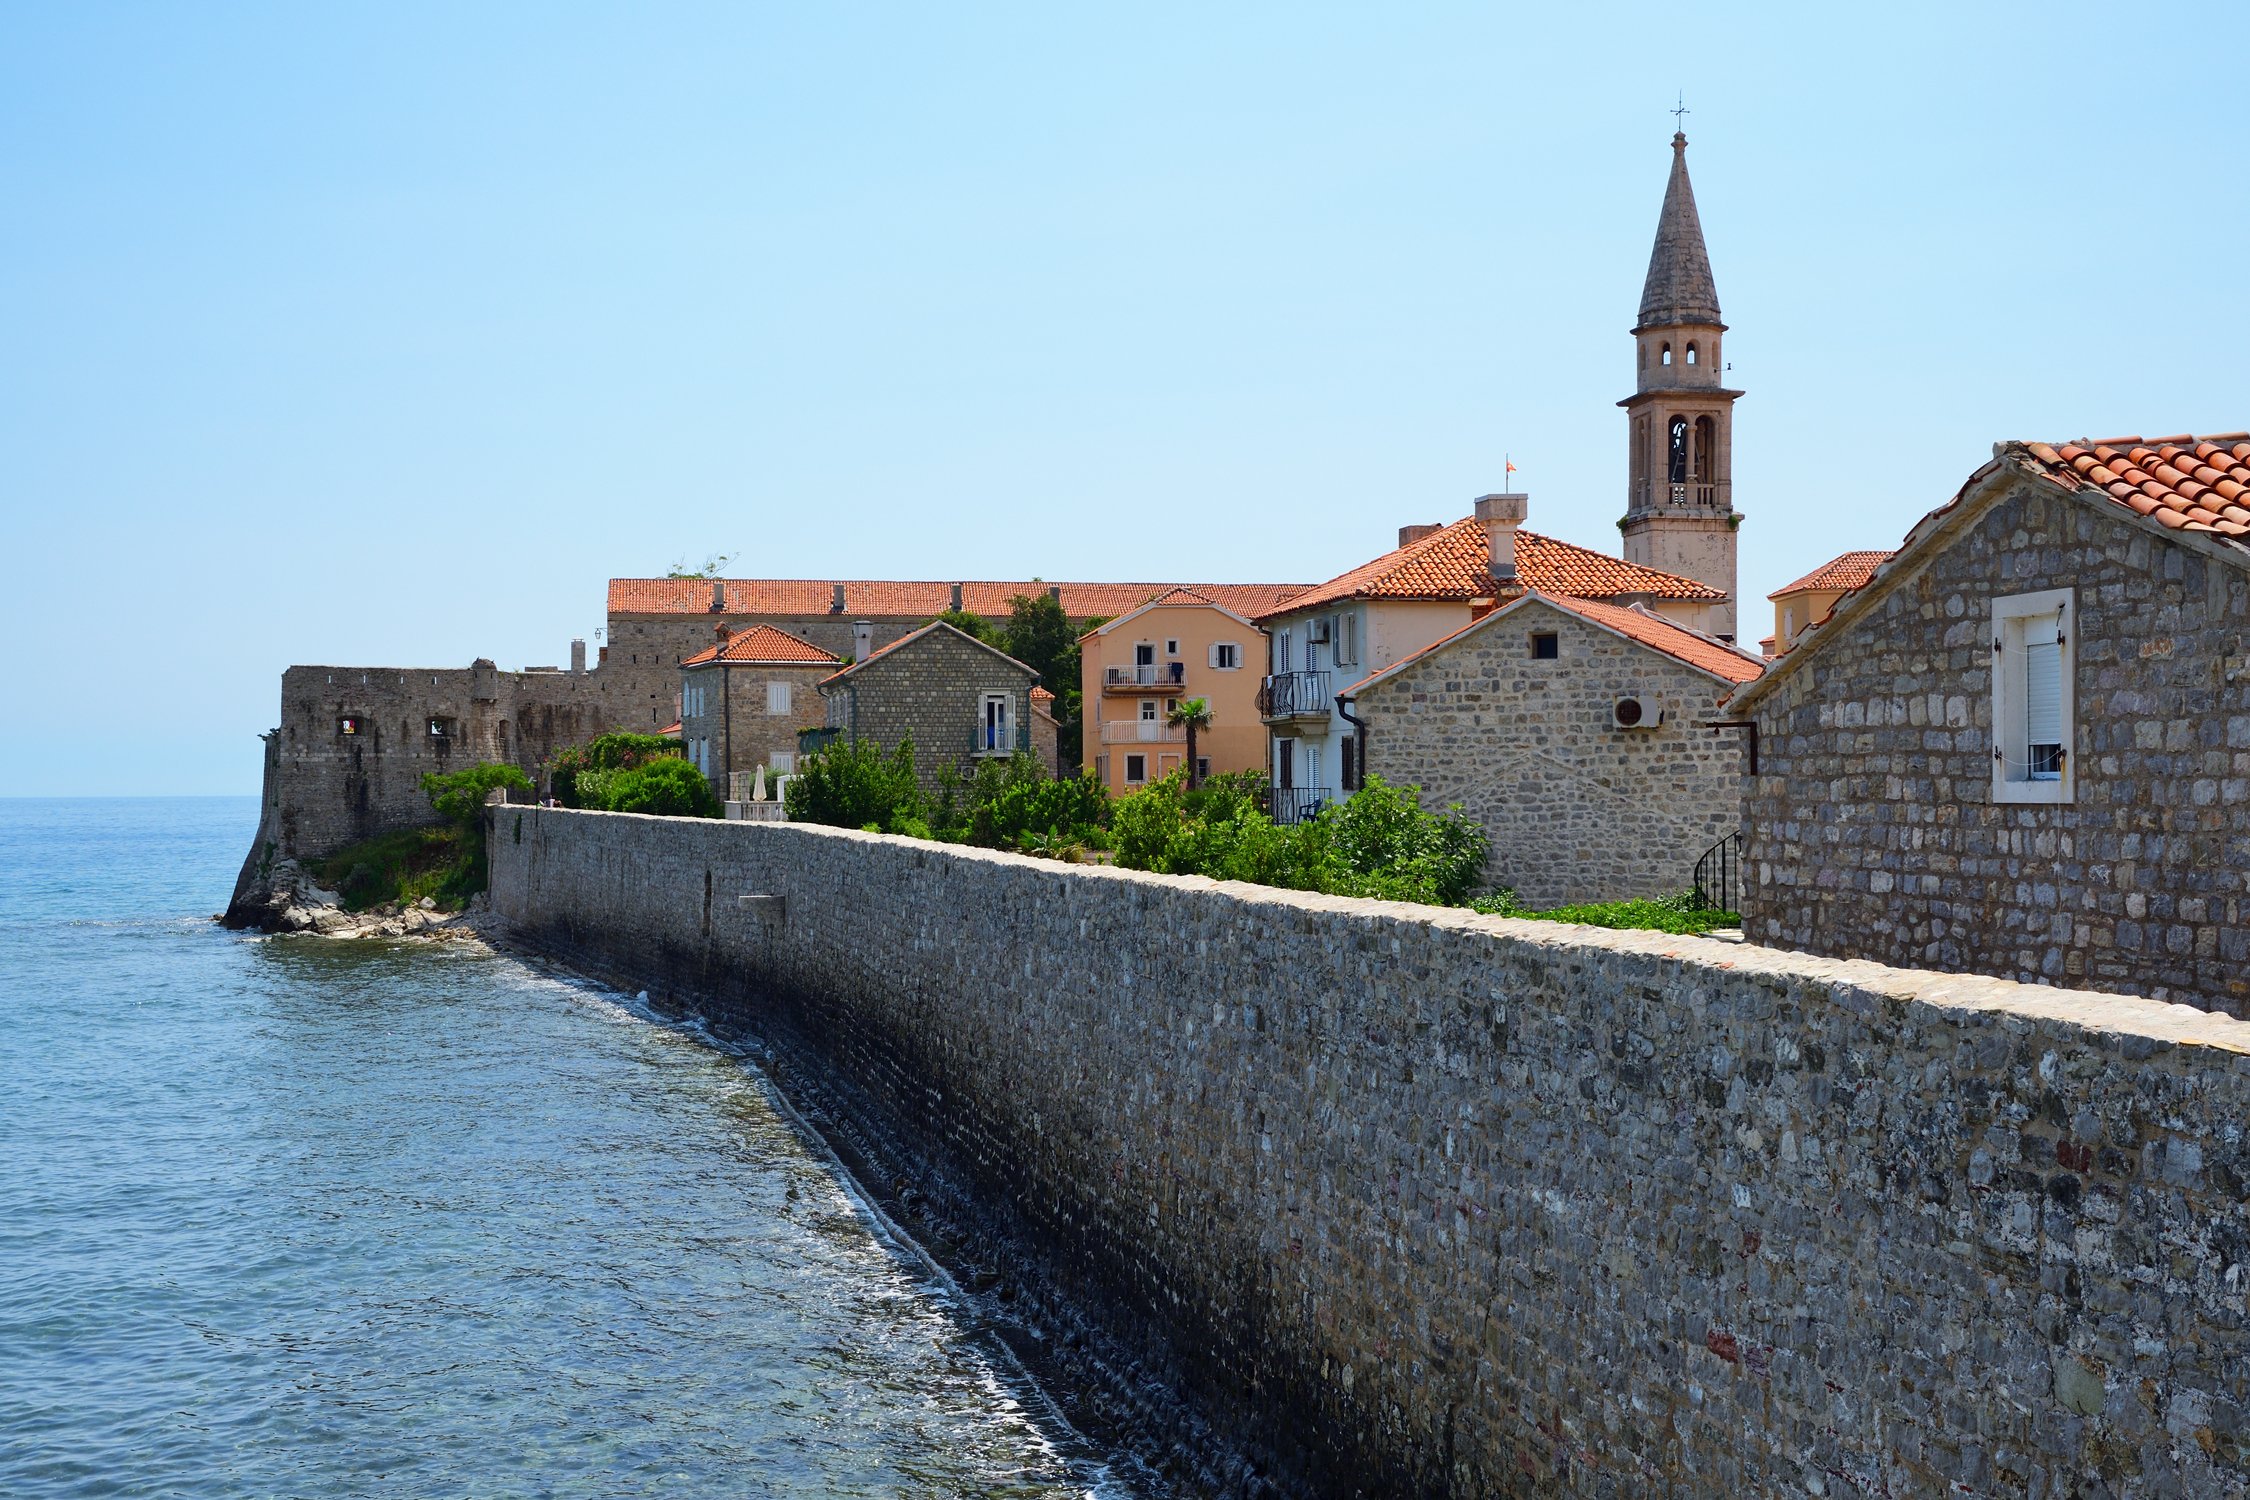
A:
(1679, 502)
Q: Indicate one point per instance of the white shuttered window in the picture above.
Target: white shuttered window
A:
(2033, 707)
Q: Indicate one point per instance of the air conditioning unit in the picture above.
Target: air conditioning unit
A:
(1637, 712)
(1316, 630)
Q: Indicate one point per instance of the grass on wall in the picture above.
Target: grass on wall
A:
(1679, 913)
(445, 863)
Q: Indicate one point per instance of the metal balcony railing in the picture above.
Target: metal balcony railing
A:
(1294, 695)
(985, 740)
(1295, 804)
(1142, 732)
(1155, 674)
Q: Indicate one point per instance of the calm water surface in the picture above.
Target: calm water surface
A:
(311, 1218)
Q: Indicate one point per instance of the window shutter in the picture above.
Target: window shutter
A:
(1214, 653)
(2042, 673)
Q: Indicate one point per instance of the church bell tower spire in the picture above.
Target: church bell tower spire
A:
(1679, 504)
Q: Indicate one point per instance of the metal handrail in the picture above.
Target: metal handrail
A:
(1718, 876)
(1141, 732)
(1146, 674)
(1296, 804)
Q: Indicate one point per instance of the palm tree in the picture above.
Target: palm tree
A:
(1194, 714)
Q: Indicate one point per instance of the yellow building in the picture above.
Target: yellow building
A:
(1178, 645)
(1806, 602)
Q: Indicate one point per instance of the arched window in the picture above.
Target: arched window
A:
(1691, 354)
(1676, 468)
(1666, 356)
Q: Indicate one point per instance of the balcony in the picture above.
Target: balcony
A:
(1142, 732)
(1148, 677)
(1288, 696)
(1298, 804)
(987, 739)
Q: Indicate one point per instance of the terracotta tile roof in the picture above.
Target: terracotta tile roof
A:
(670, 731)
(1041, 695)
(762, 645)
(1454, 562)
(919, 600)
(2185, 482)
(1673, 640)
(1653, 631)
(1846, 572)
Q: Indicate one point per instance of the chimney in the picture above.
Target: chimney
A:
(863, 637)
(1054, 592)
(718, 595)
(578, 655)
(836, 604)
(1501, 515)
(723, 631)
(956, 606)
(1409, 535)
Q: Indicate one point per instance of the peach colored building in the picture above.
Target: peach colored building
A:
(1805, 603)
(1136, 667)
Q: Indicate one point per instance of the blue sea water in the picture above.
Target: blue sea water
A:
(316, 1218)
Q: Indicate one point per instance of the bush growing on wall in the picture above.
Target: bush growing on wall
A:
(604, 753)
(858, 785)
(667, 786)
(458, 796)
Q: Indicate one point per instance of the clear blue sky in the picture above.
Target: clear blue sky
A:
(386, 334)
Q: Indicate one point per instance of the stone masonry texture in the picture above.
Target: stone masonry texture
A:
(1577, 809)
(1870, 829)
(1415, 1202)
(932, 690)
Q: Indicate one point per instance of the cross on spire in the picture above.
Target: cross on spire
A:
(1681, 110)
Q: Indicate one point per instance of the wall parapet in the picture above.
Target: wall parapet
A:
(1435, 1203)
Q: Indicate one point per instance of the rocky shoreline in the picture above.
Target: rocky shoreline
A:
(289, 902)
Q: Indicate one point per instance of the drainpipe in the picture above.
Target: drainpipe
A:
(726, 717)
(1359, 732)
(1716, 725)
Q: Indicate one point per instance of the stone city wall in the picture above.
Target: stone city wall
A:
(1416, 1202)
(1871, 827)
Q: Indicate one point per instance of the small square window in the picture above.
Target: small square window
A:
(1136, 770)
(777, 697)
(1171, 648)
(1545, 645)
(443, 729)
(351, 724)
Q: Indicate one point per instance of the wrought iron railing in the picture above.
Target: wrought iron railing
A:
(1295, 804)
(1718, 876)
(1289, 695)
(986, 739)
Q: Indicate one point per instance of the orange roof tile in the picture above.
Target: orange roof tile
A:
(762, 645)
(1634, 623)
(2185, 483)
(670, 731)
(1454, 562)
(919, 600)
(1846, 572)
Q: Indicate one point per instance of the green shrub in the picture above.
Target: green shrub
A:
(1678, 913)
(617, 751)
(1010, 798)
(458, 796)
(668, 787)
(445, 863)
(857, 785)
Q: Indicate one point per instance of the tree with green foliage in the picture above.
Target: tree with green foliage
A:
(668, 787)
(458, 796)
(1040, 635)
(570, 769)
(856, 784)
(1192, 714)
(713, 566)
(1014, 800)
(1391, 846)
(976, 627)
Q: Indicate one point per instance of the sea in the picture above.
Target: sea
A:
(307, 1217)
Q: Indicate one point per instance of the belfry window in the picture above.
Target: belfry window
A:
(1691, 354)
(1666, 356)
(1676, 466)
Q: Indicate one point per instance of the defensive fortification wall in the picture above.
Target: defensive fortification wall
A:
(1420, 1202)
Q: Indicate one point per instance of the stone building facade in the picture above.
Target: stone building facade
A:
(1904, 808)
(744, 698)
(959, 700)
(1580, 734)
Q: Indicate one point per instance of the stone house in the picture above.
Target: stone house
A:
(1800, 605)
(1137, 667)
(1437, 580)
(744, 698)
(1586, 737)
(2023, 747)
(960, 701)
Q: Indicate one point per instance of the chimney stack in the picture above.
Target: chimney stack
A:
(718, 595)
(956, 598)
(723, 631)
(1501, 515)
(836, 603)
(863, 638)
(1054, 592)
(578, 656)
(1409, 535)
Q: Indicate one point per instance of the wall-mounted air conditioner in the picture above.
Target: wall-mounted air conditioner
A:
(1316, 630)
(1638, 711)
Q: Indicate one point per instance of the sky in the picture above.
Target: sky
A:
(384, 335)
